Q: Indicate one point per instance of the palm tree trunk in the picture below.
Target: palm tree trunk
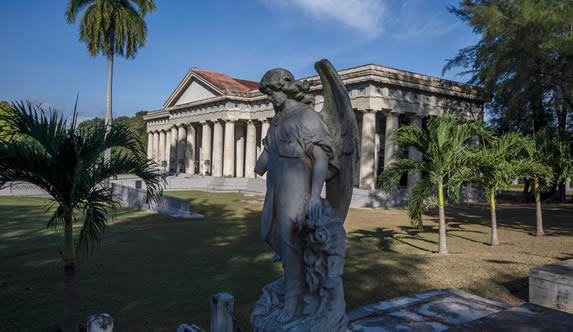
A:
(443, 248)
(70, 323)
(539, 231)
(494, 239)
(108, 101)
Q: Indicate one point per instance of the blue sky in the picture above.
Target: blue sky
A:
(42, 60)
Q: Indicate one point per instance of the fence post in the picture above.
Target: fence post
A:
(100, 323)
(221, 309)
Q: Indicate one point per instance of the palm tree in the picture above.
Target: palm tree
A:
(494, 165)
(440, 145)
(111, 27)
(541, 149)
(68, 164)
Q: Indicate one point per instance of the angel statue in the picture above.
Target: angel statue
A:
(304, 149)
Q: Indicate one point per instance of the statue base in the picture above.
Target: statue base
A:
(321, 307)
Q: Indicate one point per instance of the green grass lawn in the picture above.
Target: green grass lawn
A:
(153, 272)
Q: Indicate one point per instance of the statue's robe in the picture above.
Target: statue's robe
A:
(289, 144)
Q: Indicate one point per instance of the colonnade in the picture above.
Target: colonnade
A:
(218, 148)
(375, 139)
(227, 148)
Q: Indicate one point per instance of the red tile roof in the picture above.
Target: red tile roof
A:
(226, 83)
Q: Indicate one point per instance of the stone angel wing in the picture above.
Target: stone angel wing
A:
(338, 115)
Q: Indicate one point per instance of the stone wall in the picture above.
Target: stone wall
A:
(21, 189)
(137, 198)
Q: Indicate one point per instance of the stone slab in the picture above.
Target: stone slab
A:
(526, 317)
(21, 189)
(552, 286)
(434, 310)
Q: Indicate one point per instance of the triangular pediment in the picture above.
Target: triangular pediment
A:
(192, 88)
(196, 90)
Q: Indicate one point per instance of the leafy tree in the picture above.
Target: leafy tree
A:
(135, 124)
(523, 61)
(111, 27)
(552, 152)
(494, 165)
(91, 124)
(440, 145)
(5, 108)
(68, 164)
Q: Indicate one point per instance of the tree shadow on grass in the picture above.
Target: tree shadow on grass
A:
(151, 272)
(457, 230)
(372, 276)
(385, 236)
(519, 288)
(519, 217)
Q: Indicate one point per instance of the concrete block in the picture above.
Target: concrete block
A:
(552, 286)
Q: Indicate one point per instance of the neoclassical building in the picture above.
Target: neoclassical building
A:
(213, 124)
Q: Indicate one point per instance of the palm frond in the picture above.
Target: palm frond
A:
(67, 163)
(462, 176)
(56, 221)
(20, 161)
(390, 177)
(45, 127)
(94, 225)
(420, 199)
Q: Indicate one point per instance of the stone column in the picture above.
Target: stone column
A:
(190, 150)
(251, 150)
(217, 163)
(240, 150)
(264, 129)
(173, 150)
(156, 146)
(229, 150)
(181, 147)
(414, 153)
(367, 155)
(206, 148)
(390, 148)
(149, 145)
(161, 154)
(167, 150)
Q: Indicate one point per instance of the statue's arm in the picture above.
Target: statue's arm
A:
(319, 171)
(262, 163)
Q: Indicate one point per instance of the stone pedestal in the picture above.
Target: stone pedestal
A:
(552, 286)
(221, 310)
(100, 323)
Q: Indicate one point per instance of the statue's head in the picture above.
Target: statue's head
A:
(280, 79)
(275, 79)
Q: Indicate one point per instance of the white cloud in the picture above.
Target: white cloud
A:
(412, 20)
(364, 15)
